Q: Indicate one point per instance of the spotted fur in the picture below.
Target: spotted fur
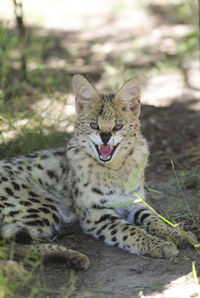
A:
(89, 181)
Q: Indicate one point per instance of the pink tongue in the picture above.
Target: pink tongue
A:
(105, 151)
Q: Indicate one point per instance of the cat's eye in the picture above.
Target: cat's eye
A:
(94, 126)
(117, 127)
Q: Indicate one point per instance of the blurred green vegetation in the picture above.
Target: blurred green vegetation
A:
(46, 78)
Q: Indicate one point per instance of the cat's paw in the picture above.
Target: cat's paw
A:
(77, 261)
(182, 238)
(164, 250)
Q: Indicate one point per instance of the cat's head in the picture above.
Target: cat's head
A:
(106, 124)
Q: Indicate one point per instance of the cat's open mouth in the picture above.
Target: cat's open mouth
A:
(105, 152)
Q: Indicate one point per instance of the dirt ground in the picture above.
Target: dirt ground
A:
(170, 120)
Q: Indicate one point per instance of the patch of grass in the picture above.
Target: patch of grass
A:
(190, 179)
(23, 129)
(14, 278)
(29, 140)
(40, 77)
(25, 278)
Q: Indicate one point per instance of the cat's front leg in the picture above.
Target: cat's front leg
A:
(157, 227)
(103, 224)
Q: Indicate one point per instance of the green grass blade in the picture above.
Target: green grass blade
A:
(138, 170)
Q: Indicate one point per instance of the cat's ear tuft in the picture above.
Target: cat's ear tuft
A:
(84, 92)
(129, 96)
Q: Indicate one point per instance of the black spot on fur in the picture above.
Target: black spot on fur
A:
(13, 213)
(36, 222)
(40, 181)
(76, 192)
(96, 190)
(72, 147)
(111, 192)
(131, 152)
(112, 226)
(24, 186)
(15, 185)
(31, 193)
(49, 199)
(52, 207)
(113, 232)
(40, 167)
(45, 210)
(9, 191)
(91, 230)
(137, 214)
(34, 200)
(55, 217)
(8, 204)
(61, 153)
(26, 203)
(32, 216)
(51, 174)
(101, 238)
(103, 201)
(101, 229)
(144, 216)
(125, 228)
(33, 210)
(103, 218)
(17, 172)
(86, 184)
(125, 237)
(114, 239)
(23, 236)
(46, 222)
(4, 179)
(132, 233)
(96, 206)
(7, 167)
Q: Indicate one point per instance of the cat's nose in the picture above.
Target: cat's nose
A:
(105, 137)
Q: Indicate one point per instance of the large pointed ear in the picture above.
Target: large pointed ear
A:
(84, 92)
(129, 96)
